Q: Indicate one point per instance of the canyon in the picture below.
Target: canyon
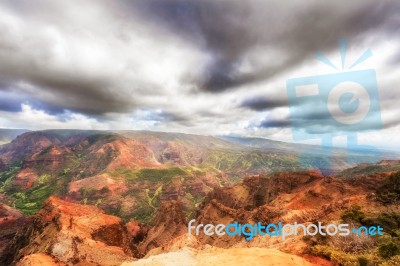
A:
(106, 198)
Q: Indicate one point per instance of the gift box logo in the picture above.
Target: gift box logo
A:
(338, 104)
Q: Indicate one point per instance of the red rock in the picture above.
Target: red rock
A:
(73, 233)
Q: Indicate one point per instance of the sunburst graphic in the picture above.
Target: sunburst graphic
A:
(343, 50)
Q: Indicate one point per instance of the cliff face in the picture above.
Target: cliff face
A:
(27, 144)
(104, 169)
(285, 197)
(259, 190)
(71, 234)
(169, 223)
(10, 221)
(64, 233)
(291, 197)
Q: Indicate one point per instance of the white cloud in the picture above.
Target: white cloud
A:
(113, 68)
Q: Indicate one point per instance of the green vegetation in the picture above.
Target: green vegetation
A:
(389, 193)
(101, 136)
(30, 201)
(345, 259)
(153, 175)
(353, 214)
(369, 169)
(128, 174)
(390, 221)
(388, 249)
(237, 163)
(363, 250)
(310, 162)
(394, 261)
(194, 201)
(153, 201)
(6, 177)
(153, 183)
(160, 175)
(43, 179)
(87, 193)
(144, 215)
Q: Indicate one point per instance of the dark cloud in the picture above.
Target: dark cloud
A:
(321, 122)
(159, 115)
(90, 96)
(395, 60)
(65, 93)
(267, 123)
(262, 103)
(48, 108)
(229, 30)
(10, 105)
(48, 54)
(69, 91)
(11, 102)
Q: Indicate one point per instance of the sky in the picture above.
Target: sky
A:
(210, 67)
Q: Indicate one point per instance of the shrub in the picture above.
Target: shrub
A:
(353, 214)
(390, 221)
(160, 175)
(353, 243)
(335, 256)
(388, 249)
(44, 179)
(389, 193)
(394, 261)
(363, 261)
(338, 257)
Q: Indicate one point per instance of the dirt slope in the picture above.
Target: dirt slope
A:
(222, 257)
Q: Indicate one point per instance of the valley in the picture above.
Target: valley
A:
(71, 197)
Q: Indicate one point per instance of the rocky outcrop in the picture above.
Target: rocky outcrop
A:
(39, 259)
(26, 145)
(49, 160)
(64, 233)
(25, 179)
(283, 197)
(70, 234)
(169, 223)
(99, 186)
(10, 221)
(259, 190)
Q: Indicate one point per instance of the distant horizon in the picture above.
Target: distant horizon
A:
(340, 146)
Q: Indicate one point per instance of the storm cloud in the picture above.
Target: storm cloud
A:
(261, 103)
(200, 66)
(231, 30)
